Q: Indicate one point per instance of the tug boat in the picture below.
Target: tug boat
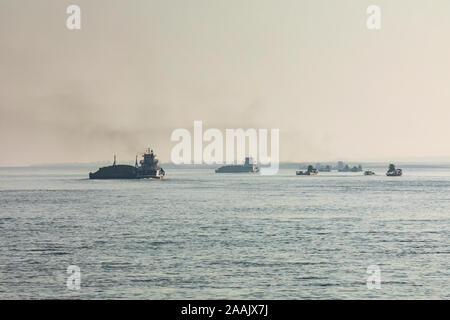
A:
(369, 173)
(148, 168)
(311, 171)
(393, 172)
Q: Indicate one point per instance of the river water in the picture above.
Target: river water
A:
(201, 235)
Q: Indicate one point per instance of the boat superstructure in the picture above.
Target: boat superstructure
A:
(149, 166)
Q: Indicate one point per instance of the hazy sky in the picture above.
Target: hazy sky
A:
(137, 70)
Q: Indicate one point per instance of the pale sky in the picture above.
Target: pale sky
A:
(137, 70)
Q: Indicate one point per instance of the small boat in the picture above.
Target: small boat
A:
(369, 173)
(393, 172)
(311, 171)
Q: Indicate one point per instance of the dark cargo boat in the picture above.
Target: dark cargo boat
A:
(248, 166)
(148, 168)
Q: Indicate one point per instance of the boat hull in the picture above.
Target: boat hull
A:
(301, 173)
(123, 172)
(115, 172)
(237, 169)
(395, 173)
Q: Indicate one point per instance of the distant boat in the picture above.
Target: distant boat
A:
(393, 172)
(247, 167)
(369, 173)
(311, 171)
(353, 169)
(148, 169)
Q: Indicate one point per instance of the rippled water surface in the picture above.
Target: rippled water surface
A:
(209, 236)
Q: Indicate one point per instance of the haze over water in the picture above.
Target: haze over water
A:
(202, 235)
(138, 70)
